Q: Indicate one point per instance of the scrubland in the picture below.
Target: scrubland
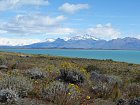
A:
(49, 80)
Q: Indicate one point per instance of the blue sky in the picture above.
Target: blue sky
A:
(30, 21)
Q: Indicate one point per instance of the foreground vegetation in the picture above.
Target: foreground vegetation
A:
(47, 80)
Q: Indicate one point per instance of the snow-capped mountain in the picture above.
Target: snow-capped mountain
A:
(85, 41)
(78, 37)
(83, 37)
(90, 42)
(50, 40)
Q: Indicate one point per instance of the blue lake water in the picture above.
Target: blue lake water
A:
(116, 55)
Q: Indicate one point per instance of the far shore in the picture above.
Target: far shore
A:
(72, 49)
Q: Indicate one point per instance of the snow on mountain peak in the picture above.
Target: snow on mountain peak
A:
(78, 37)
(83, 37)
(50, 40)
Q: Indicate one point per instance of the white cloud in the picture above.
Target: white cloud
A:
(136, 36)
(11, 4)
(62, 31)
(72, 8)
(46, 25)
(3, 32)
(32, 24)
(104, 31)
(15, 41)
(40, 20)
(35, 25)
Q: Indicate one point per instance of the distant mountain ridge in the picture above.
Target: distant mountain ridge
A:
(87, 42)
(78, 37)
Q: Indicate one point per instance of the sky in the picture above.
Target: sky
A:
(24, 22)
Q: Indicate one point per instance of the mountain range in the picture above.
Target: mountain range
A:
(85, 42)
(88, 42)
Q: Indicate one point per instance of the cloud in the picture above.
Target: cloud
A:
(11, 4)
(3, 32)
(38, 20)
(35, 25)
(106, 31)
(138, 36)
(61, 31)
(72, 8)
(27, 25)
(15, 41)
(135, 35)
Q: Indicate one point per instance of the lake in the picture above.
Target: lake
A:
(129, 56)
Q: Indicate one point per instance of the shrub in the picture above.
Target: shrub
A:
(114, 79)
(121, 102)
(102, 91)
(3, 61)
(58, 93)
(109, 79)
(105, 86)
(96, 77)
(36, 73)
(135, 101)
(72, 76)
(133, 90)
(52, 72)
(116, 93)
(66, 65)
(103, 102)
(91, 68)
(74, 90)
(52, 68)
(54, 90)
(3, 68)
(28, 101)
(136, 78)
(8, 96)
(20, 84)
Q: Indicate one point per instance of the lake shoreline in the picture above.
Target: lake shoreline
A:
(82, 58)
(74, 49)
(128, 56)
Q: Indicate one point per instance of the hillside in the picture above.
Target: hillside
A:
(49, 80)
